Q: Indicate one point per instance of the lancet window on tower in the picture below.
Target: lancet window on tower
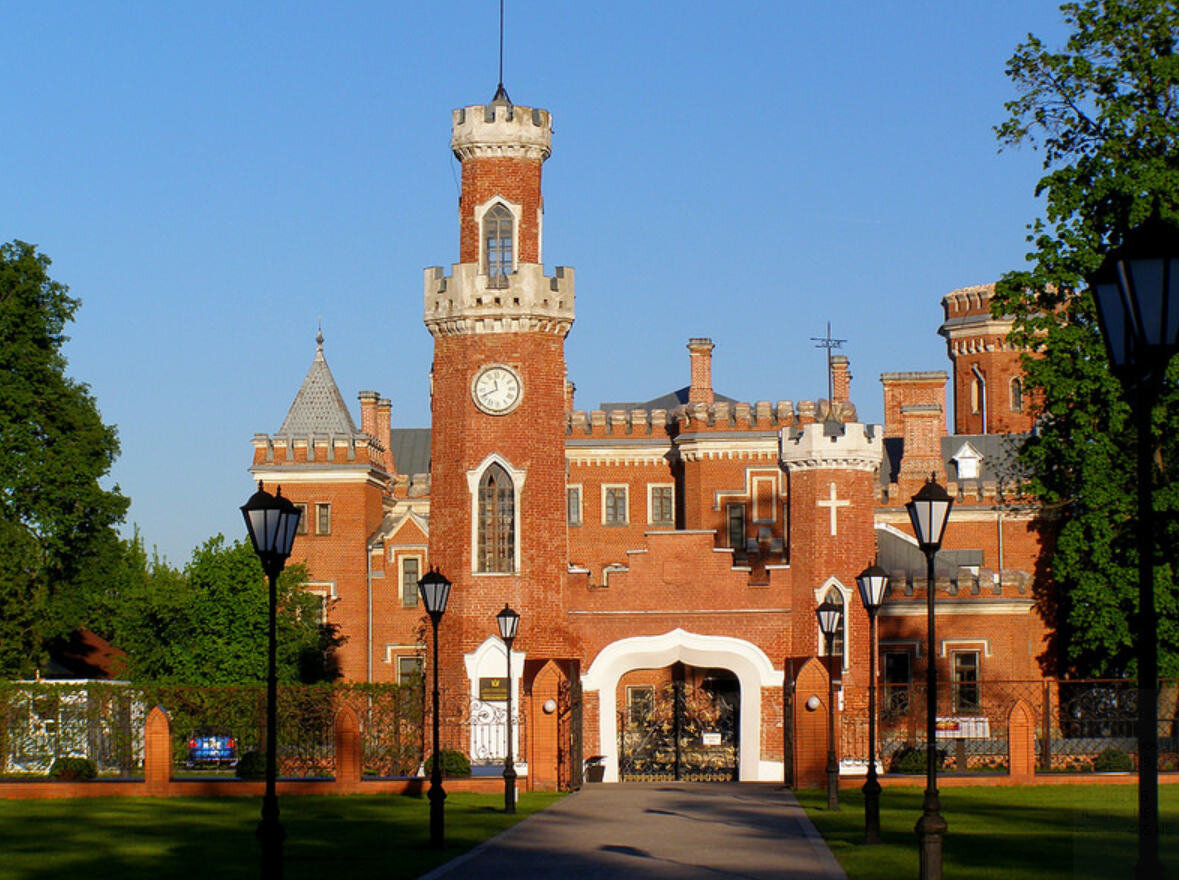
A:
(497, 521)
(498, 234)
(836, 598)
(1016, 395)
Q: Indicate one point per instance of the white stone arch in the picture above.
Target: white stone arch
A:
(473, 477)
(847, 595)
(749, 663)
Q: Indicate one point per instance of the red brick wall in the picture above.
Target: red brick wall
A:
(518, 181)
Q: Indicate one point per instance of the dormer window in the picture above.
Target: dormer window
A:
(968, 459)
(498, 231)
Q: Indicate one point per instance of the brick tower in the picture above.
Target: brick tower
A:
(497, 518)
(989, 393)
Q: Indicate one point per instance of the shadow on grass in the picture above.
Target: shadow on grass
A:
(141, 838)
(1078, 832)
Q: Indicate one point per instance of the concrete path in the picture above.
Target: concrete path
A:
(657, 830)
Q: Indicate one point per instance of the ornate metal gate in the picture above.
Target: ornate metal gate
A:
(684, 732)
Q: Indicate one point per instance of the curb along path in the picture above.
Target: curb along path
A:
(657, 830)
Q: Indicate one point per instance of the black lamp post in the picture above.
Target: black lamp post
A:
(271, 521)
(929, 511)
(1136, 289)
(508, 620)
(829, 615)
(435, 590)
(872, 582)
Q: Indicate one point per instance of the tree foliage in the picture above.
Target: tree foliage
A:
(1105, 112)
(57, 537)
(207, 625)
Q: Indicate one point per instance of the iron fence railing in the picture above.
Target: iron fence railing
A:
(1076, 721)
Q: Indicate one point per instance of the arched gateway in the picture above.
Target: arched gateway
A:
(746, 661)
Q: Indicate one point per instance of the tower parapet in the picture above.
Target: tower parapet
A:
(827, 445)
(501, 130)
(470, 301)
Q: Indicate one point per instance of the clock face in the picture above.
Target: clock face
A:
(497, 389)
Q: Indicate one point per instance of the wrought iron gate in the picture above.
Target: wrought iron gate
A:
(685, 732)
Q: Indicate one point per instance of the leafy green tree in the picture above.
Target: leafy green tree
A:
(1105, 112)
(57, 532)
(207, 625)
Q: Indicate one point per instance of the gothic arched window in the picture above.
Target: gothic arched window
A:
(1016, 395)
(497, 521)
(497, 240)
(835, 598)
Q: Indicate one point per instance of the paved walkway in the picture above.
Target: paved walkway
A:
(643, 831)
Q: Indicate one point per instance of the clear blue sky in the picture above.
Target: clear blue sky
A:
(211, 178)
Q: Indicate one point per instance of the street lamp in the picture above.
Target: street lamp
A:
(929, 510)
(872, 583)
(435, 590)
(829, 615)
(1136, 289)
(508, 620)
(271, 521)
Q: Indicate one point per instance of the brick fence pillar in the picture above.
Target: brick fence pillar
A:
(1021, 743)
(348, 750)
(157, 752)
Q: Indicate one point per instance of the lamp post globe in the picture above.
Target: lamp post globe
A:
(1136, 291)
(435, 591)
(929, 511)
(830, 618)
(872, 583)
(508, 620)
(272, 522)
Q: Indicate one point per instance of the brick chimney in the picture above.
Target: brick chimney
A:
(840, 379)
(700, 352)
(909, 389)
(384, 427)
(368, 413)
(923, 425)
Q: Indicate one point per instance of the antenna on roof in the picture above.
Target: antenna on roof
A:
(501, 94)
(828, 343)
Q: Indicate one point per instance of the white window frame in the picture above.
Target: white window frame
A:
(651, 487)
(323, 505)
(326, 590)
(625, 487)
(580, 505)
(474, 476)
(517, 212)
(401, 560)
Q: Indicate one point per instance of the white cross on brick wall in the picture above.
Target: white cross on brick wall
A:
(833, 504)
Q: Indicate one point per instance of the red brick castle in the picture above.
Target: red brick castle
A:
(679, 544)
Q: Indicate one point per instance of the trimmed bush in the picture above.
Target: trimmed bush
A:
(73, 769)
(1112, 760)
(251, 765)
(454, 764)
(911, 759)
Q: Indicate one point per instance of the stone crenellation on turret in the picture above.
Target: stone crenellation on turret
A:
(719, 416)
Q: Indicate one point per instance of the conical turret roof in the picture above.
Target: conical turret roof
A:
(319, 407)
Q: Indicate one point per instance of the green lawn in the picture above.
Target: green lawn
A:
(1050, 832)
(130, 838)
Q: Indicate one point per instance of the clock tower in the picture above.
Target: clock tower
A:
(497, 511)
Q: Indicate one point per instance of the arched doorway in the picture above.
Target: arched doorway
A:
(748, 663)
(678, 723)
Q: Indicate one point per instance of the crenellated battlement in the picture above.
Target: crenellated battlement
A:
(501, 129)
(471, 301)
(292, 450)
(831, 444)
(721, 416)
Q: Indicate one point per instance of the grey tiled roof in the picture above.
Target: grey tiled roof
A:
(896, 554)
(671, 400)
(999, 456)
(318, 407)
(411, 450)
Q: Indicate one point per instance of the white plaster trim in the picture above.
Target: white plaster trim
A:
(749, 663)
(956, 644)
(651, 487)
(910, 644)
(473, 478)
(917, 608)
(897, 533)
(626, 488)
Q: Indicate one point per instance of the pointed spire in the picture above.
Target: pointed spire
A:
(319, 407)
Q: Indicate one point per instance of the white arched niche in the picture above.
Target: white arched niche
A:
(748, 662)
